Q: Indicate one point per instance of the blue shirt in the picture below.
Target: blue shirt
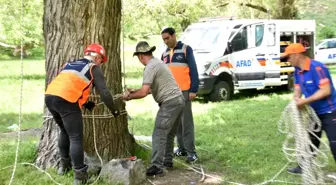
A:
(310, 79)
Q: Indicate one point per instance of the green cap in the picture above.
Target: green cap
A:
(143, 47)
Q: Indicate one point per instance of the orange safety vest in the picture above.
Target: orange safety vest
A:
(178, 65)
(73, 82)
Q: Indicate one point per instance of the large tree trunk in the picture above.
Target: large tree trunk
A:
(69, 26)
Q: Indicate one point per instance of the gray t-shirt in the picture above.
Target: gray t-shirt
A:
(161, 81)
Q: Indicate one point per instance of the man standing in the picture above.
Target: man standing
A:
(65, 96)
(180, 59)
(313, 80)
(158, 80)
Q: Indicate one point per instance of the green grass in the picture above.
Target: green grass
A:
(32, 93)
(27, 174)
(238, 139)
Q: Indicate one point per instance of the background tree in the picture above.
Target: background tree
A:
(327, 33)
(68, 27)
(143, 18)
(10, 28)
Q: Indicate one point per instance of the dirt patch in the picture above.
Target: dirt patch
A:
(181, 177)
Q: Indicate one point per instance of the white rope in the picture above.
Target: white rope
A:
(43, 171)
(21, 89)
(123, 50)
(99, 116)
(297, 125)
(95, 144)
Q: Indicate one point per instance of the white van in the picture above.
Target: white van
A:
(326, 51)
(245, 54)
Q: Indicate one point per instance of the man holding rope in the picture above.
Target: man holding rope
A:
(313, 80)
(159, 81)
(66, 95)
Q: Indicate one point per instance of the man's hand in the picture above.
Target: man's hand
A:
(130, 90)
(192, 96)
(300, 103)
(125, 96)
(89, 105)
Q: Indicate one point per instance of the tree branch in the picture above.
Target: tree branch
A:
(257, 7)
(7, 45)
(157, 21)
(222, 5)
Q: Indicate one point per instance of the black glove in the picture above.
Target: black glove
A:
(116, 112)
(89, 105)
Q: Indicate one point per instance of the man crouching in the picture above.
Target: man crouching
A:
(158, 80)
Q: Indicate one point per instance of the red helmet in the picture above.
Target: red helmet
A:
(98, 49)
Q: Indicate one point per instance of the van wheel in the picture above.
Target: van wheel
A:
(221, 92)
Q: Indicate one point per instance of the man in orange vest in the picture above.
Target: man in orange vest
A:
(180, 59)
(66, 95)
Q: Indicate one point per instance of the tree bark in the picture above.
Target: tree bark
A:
(69, 26)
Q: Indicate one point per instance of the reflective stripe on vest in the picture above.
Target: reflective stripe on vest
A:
(180, 71)
(73, 83)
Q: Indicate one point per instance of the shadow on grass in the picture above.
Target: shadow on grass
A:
(248, 94)
(254, 93)
(32, 120)
(26, 77)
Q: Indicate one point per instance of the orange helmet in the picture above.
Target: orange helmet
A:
(98, 49)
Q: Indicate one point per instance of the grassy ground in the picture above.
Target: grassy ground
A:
(238, 139)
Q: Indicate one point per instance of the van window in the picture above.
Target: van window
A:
(271, 35)
(332, 44)
(324, 45)
(201, 38)
(259, 34)
(239, 42)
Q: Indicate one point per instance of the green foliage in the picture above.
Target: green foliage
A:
(326, 33)
(10, 22)
(323, 12)
(152, 16)
(144, 18)
(36, 52)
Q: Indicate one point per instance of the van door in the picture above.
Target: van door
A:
(247, 54)
(272, 67)
(326, 52)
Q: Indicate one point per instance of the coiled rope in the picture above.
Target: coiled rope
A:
(298, 124)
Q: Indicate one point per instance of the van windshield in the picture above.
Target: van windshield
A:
(201, 38)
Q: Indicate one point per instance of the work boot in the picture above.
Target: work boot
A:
(154, 171)
(192, 159)
(168, 165)
(65, 166)
(81, 175)
(296, 170)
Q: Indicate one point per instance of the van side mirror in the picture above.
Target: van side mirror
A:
(228, 48)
